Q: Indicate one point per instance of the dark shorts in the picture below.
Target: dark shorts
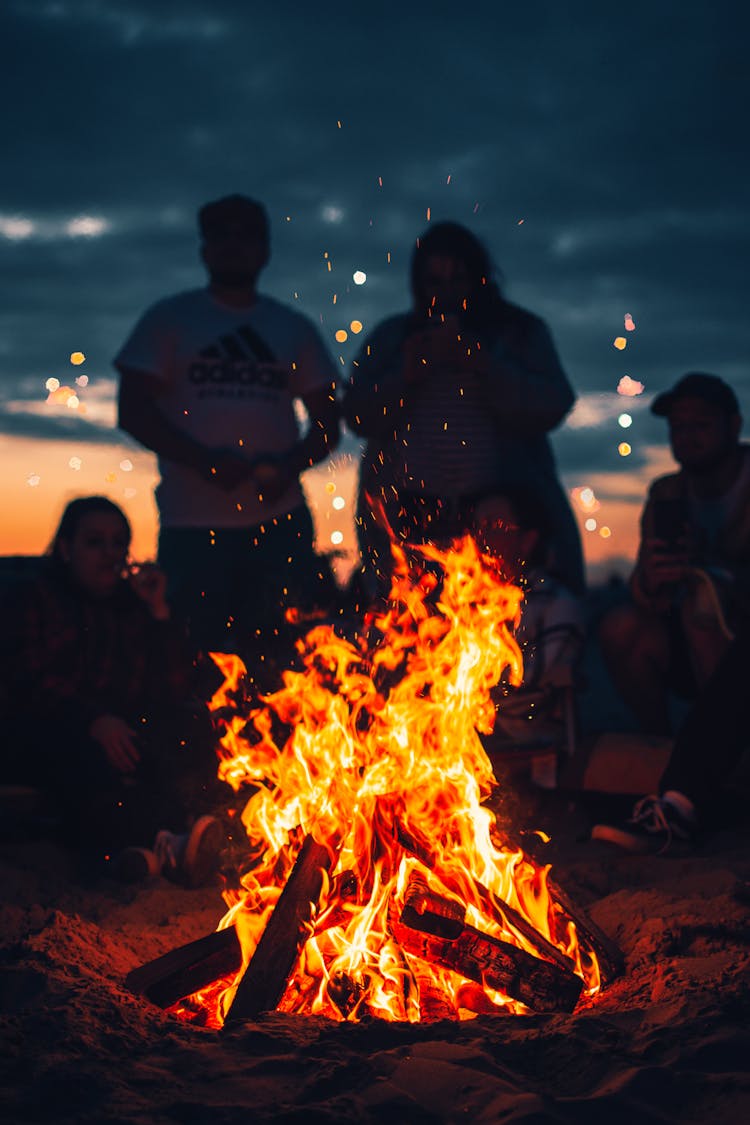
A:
(233, 585)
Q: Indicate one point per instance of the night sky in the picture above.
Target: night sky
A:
(599, 149)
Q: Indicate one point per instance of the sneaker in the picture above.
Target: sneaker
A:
(655, 827)
(191, 859)
(134, 865)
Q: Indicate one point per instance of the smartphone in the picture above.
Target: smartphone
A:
(670, 521)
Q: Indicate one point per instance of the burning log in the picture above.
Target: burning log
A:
(185, 970)
(609, 955)
(430, 928)
(491, 904)
(266, 976)
(193, 966)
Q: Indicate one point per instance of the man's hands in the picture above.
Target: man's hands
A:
(663, 565)
(117, 740)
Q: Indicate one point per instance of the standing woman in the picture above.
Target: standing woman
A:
(456, 399)
(95, 683)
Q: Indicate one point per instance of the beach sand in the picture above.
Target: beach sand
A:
(667, 1042)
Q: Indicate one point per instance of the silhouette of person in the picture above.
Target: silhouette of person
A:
(691, 582)
(209, 381)
(98, 711)
(456, 399)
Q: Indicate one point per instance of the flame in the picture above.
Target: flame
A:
(373, 747)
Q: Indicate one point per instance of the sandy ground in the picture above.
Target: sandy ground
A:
(668, 1042)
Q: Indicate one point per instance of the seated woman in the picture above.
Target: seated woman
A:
(551, 630)
(95, 682)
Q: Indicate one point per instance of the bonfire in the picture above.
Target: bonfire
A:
(379, 882)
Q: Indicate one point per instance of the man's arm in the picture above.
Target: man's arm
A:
(140, 416)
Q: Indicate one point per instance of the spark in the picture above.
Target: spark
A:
(620, 342)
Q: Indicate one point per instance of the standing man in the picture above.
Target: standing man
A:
(209, 379)
(690, 588)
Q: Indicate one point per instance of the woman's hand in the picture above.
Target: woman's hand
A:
(117, 740)
(150, 584)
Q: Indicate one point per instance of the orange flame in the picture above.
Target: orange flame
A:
(373, 743)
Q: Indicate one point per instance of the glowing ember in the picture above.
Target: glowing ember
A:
(372, 749)
(629, 387)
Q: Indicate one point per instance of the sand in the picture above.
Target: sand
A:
(668, 1042)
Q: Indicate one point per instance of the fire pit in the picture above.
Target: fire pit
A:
(381, 884)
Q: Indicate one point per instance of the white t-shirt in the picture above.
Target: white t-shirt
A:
(229, 376)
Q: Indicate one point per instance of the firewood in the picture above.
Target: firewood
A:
(430, 929)
(193, 966)
(185, 970)
(287, 929)
(609, 955)
(490, 903)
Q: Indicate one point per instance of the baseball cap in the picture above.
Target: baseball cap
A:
(710, 388)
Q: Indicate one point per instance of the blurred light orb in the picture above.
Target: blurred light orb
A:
(82, 380)
(342, 335)
(605, 532)
(77, 358)
(52, 385)
(629, 387)
(625, 420)
(73, 402)
(126, 465)
(620, 342)
(33, 480)
(356, 327)
(624, 449)
(590, 525)
(75, 463)
(338, 503)
(337, 537)
(330, 488)
(359, 277)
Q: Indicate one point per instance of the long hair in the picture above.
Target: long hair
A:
(485, 302)
(71, 518)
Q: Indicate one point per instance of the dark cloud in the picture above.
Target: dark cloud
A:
(617, 135)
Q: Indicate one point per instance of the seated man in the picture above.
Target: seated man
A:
(692, 577)
(551, 630)
(691, 782)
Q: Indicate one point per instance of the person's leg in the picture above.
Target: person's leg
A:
(274, 568)
(715, 731)
(636, 650)
(196, 562)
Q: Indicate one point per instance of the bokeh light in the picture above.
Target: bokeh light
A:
(620, 342)
(356, 326)
(629, 387)
(590, 524)
(605, 532)
(625, 420)
(52, 385)
(624, 449)
(359, 277)
(77, 358)
(338, 503)
(342, 335)
(337, 537)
